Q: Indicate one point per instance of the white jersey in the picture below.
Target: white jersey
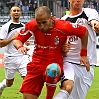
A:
(83, 18)
(7, 31)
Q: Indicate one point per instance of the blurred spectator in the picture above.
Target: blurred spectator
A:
(67, 11)
(31, 2)
(23, 1)
(86, 4)
(97, 6)
(33, 7)
(90, 5)
(10, 3)
(1, 9)
(17, 2)
(20, 3)
(25, 6)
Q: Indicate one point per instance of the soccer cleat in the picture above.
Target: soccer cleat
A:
(52, 70)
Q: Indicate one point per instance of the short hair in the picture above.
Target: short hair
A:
(42, 10)
(15, 6)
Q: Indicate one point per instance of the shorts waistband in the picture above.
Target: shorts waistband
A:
(79, 64)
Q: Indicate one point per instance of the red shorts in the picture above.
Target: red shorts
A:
(34, 80)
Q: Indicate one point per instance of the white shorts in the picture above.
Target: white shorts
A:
(82, 79)
(16, 64)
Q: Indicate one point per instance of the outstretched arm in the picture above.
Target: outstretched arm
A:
(83, 59)
(19, 46)
(66, 47)
(19, 41)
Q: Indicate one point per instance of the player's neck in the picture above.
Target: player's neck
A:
(75, 12)
(16, 21)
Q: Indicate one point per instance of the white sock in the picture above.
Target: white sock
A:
(62, 94)
(3, 84)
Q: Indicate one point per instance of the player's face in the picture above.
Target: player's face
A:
(15, 13)
(44, 22)
(76, 4)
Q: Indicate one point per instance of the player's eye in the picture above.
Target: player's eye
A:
(38, 23)
(44, 22)
(16, 10)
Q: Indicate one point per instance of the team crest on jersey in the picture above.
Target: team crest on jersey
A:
(80, 21)
(56, 40)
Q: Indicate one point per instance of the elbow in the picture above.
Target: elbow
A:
(1, 44)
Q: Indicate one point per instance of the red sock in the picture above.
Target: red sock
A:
(50, 91)
(51, 86)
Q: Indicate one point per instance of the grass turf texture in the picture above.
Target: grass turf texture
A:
(13, 92)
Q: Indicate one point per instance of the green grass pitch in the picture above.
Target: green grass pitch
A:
(13, 92)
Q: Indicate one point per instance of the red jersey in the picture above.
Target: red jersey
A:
(48, 45)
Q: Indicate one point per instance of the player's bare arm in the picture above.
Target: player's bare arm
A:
(19, 46)
(84, 60)
(7, 41)
(66, 47)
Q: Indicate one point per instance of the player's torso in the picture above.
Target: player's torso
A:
(74, 54)
(48, 46)
(11, 29)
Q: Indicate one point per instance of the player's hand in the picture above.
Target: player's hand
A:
(66, 47)
(27, 43)
(96, 27)
(84, 60)
(23, 50)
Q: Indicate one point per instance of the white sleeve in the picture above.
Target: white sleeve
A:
(64, 17)
(3, 32)
(92, 14)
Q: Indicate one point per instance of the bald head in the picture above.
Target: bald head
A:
(42, 11)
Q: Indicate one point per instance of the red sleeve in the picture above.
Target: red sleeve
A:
(76, 29)
(23, 38)
(25, 34)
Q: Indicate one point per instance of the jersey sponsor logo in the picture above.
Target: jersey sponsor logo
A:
(80, 21)
(72, 38)
(46, 47)
(56, 42)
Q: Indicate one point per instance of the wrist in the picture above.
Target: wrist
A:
(19, 47)
(83, 52)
